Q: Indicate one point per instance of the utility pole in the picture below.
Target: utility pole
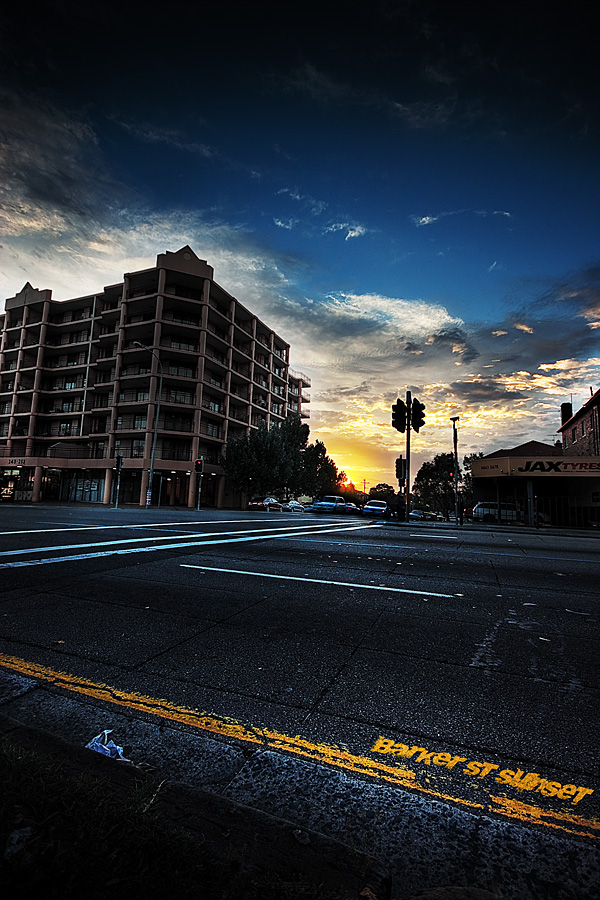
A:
(119, 466)
(199, 469)
(454, 420)
(407, 487)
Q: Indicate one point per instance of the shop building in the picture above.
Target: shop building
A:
(146, 376)
(543, 484)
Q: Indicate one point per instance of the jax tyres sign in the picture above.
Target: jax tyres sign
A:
(524, 467)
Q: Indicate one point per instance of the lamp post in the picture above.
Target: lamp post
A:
(153, 454)
(454, 420)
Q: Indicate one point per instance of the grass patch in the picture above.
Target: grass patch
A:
(72, 838)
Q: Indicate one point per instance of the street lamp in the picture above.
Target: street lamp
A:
(454, 420)
(160, 382)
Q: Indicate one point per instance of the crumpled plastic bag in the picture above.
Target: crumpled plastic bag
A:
(101, 744)
(16, 845)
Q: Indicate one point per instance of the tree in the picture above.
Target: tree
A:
(433, 487)
(467, 479)
(279, 460)
(321, 475)
(292, 438)
(382, 492)
(248, 461)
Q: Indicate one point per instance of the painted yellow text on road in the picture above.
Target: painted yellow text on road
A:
(517, 778)
(339, 756)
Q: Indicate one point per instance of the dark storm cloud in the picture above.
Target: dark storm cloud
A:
(484, 392)
(334, 394)
(457, 341)
(61, 173)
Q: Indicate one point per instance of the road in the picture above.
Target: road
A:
(310, 665)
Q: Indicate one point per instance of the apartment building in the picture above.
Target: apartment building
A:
(130, 386)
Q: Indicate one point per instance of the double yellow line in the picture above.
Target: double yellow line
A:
(297, 745)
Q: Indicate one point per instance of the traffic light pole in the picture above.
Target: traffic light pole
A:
(407, 486)
(407, 417)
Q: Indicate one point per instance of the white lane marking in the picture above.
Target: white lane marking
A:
(355, 543)
(435, 537)
(33, 550)
(367, 587)
(128, 525)
(104, 553)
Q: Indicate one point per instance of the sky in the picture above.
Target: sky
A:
(407, 192)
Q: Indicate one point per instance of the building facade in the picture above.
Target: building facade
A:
(581, 431)
(143, 378)
(545, 485)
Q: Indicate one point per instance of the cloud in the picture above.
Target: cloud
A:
(325, 89)
(351, 230)
(423, 220)
(46, 184)
(315, 206)
(520, 326)
(152, 134)
(425, 114)
(287, 225)
(333, 394)
(486, 391)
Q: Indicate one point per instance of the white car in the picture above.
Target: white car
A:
(293, 506)
(376, 508)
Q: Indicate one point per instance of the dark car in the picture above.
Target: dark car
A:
(351, 509)
(264, 503)
(420, 515)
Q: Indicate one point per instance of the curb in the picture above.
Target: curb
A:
(252, 839)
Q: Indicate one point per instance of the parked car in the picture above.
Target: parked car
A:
(376, 508)
(264, 503)
(423, 515)
(329, 504)
(293, 506)
(351, 509)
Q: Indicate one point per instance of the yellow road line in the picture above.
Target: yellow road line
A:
(296, 745)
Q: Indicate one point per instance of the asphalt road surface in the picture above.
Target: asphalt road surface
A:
(427, 692)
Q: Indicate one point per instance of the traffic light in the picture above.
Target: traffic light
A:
(399, 468)
(399, 415)
(417, 417)
(199, 465)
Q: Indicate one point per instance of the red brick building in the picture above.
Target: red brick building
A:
(581, 431)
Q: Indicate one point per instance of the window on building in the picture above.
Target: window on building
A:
(573, 435)
(583, 428)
